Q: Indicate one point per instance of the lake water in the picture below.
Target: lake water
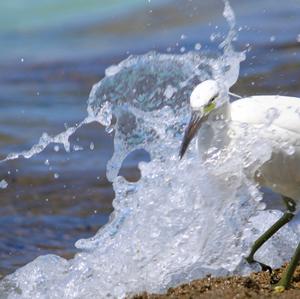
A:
(51, 55)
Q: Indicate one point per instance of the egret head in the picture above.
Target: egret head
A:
(204, 99)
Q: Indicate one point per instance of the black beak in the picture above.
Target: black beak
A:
(195, 123)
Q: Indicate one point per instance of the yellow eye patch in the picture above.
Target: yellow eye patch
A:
(209, 107)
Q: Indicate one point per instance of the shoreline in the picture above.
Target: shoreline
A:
(255, 285)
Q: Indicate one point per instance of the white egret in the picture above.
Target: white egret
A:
(281, 172)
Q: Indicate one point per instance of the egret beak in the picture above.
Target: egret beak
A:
(195, 123)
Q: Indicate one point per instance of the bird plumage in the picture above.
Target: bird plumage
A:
(279, 111)
(278, 121)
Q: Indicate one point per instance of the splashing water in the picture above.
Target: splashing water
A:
(181, 220)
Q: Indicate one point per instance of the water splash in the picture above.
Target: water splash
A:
(45, 140)
(182, 220)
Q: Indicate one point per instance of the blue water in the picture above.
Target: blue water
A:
(53, 51)
(63, 30)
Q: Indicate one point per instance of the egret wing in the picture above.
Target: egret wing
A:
(276, 111)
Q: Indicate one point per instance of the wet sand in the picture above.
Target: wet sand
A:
(256, 285)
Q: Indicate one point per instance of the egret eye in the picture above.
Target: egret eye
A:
(212, 99)
(211, 105)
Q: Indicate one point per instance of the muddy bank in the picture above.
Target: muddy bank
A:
(256, 285)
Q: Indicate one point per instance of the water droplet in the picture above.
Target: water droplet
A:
(288, 148)
(298, 38)
(255, 194)
(261, 206)
(272, 38)
(170, 90)
(197, 46)
(212, 37)
(112, 70)
(92, 146)
(47, 162)
(77, 148)
(3, 184)
(56, 148)
(56, 175)
(182, 49)
(109, 129)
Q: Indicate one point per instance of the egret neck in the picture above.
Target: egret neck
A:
(214, 132)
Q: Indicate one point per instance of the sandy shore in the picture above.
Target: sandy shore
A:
(256, 285)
